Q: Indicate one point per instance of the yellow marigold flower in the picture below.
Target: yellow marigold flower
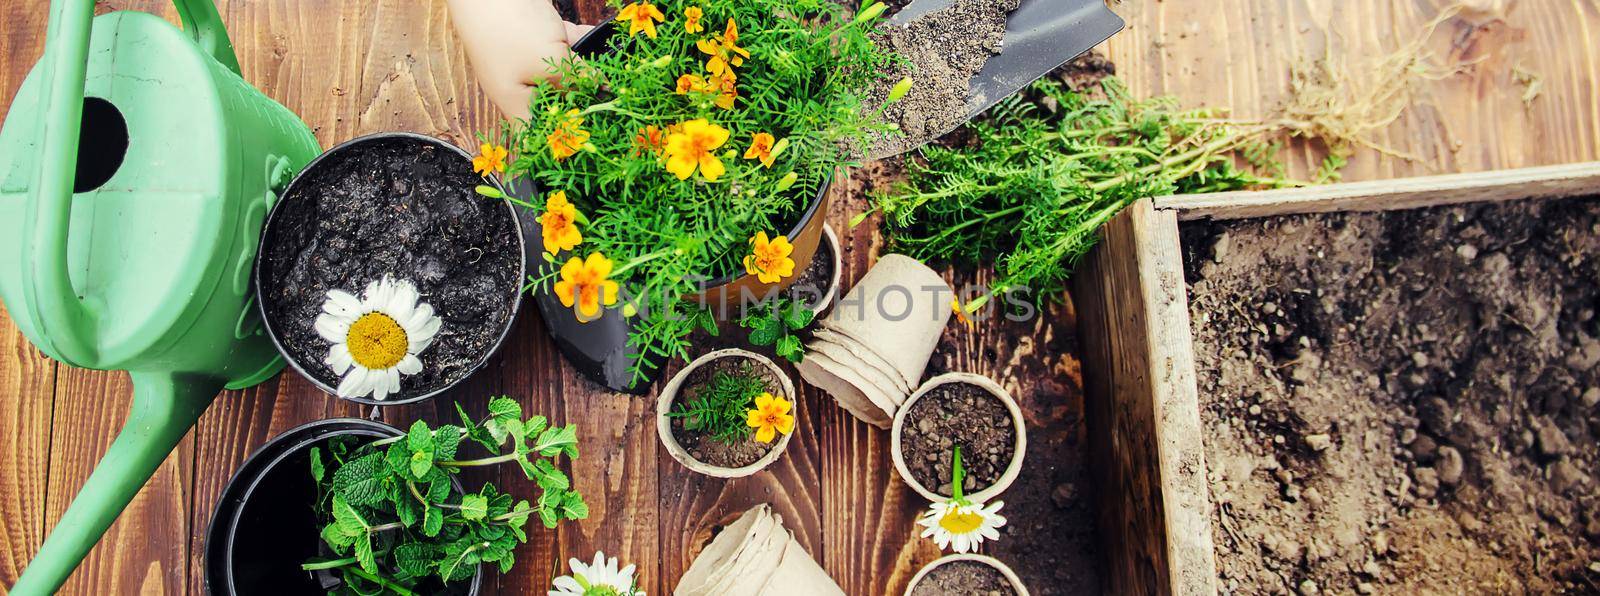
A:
(770, 417)
(586, 283)
(689, 82)
(694, 146)
(769, 260)
(490, 159)
(569, 137)
(691, 19)
(725, 86)
(761, 148)
(724, 51)
(650, 139)
(641, 16)
(559, 223)
(960, 313)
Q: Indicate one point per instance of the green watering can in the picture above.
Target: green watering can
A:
(137, 169)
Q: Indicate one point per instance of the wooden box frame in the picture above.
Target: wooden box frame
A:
(1141, 400)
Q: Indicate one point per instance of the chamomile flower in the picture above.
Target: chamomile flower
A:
(600, 578)
(962, 525)
(376, 338)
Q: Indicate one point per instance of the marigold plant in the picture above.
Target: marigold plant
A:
(703, 124)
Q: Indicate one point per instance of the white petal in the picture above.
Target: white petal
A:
(377, 294)
(339, 358)
(409, 365)
(332, 328)
(567, 585)
(342, 303)
(578, 567)
(402, 303)
(394, 381)
(424, 336)
(356, 383)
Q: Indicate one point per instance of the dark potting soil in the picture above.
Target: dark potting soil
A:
(1405, 402)
(811, 286)
(943, 50)
(702, 447)
(404, 208)
(958, 414)
(963, 578)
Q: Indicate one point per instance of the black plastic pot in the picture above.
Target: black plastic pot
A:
(271, 233)
(599, 349)
(264, 526)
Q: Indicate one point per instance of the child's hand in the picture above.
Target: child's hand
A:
(511, 44)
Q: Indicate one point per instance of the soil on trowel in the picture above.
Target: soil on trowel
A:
(811, 286)
(403, 208)
(1402, 402)
(942, 51)
(958, 414)
(963, 578)
(701, 446)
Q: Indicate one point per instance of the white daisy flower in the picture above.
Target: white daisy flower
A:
(376, 339)
(600, 578)
(962, 524)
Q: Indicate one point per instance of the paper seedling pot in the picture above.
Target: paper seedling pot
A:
(824, 335)
(845, 394)
(752, 556)
(1011, 576)
(875, 393)
(799, 575)
(885, 382)
(896, 311)
(1018, 453)
(669, 393)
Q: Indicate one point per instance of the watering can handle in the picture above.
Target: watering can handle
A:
(58, 313)
(164, 407)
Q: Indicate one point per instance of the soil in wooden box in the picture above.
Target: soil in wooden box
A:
(1402, 402)
(403, 208)
(963, 578)
(705, 448)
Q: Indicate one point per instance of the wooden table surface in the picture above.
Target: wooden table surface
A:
(350, 68)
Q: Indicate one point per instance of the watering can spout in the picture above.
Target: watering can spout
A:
(165, 405)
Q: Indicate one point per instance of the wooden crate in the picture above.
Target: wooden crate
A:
(1141, 401)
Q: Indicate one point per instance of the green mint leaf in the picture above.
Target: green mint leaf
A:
(316, 465)
(408, 510)
(398, 458)
(504, 408)
(549, 518)
(507, 562)
(474, 507)
(433, 521)
(349, 521)
(549, 477)
(413, 559)
(554, 441)
(534, 426)
(334, 535)
(421, 463)
(364, 556)
(765, 332)
(438, 490)
(420, 438)
(798, 316)
(789, 348)
(573, 506)
(360, 481)
(446, 441)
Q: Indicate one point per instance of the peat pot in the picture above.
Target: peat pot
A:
(778, 385)
(1006, 572)
(897, 436)
(400, 205)
(264, 526)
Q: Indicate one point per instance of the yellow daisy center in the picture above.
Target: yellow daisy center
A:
(957, 522)
(377, 341)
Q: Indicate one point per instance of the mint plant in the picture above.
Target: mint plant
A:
(774, 323)
(394, 522)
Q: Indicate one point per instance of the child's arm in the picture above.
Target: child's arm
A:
(510, 44)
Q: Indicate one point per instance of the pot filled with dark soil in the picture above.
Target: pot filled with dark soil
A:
(817, 285)
(384, 277)
(1402, 402)
(966, 410)
(704, 415)
(266, 525)
(966, 575)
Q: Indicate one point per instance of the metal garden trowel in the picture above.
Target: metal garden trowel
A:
(137, 170)
(1041, 35)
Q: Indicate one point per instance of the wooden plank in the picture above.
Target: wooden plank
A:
(1380, 195)
(1237, 55)
(27, 394)
(1143, 409)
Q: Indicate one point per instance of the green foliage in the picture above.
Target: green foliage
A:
(809, 62)
(1032, 189)
(391, 515)
(774, 323)
(719, 408)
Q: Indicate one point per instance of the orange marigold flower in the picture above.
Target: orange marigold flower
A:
(641, 16)
(694, 146)
(724, 51)
(559, 223)
(650, 138)
(726, 88)
(761, 148)
(769, 260)
(770, 417)
(959, 312)
(689, 82)
(569, 137)
(691, 19)
(587, 284)
(490, 159)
